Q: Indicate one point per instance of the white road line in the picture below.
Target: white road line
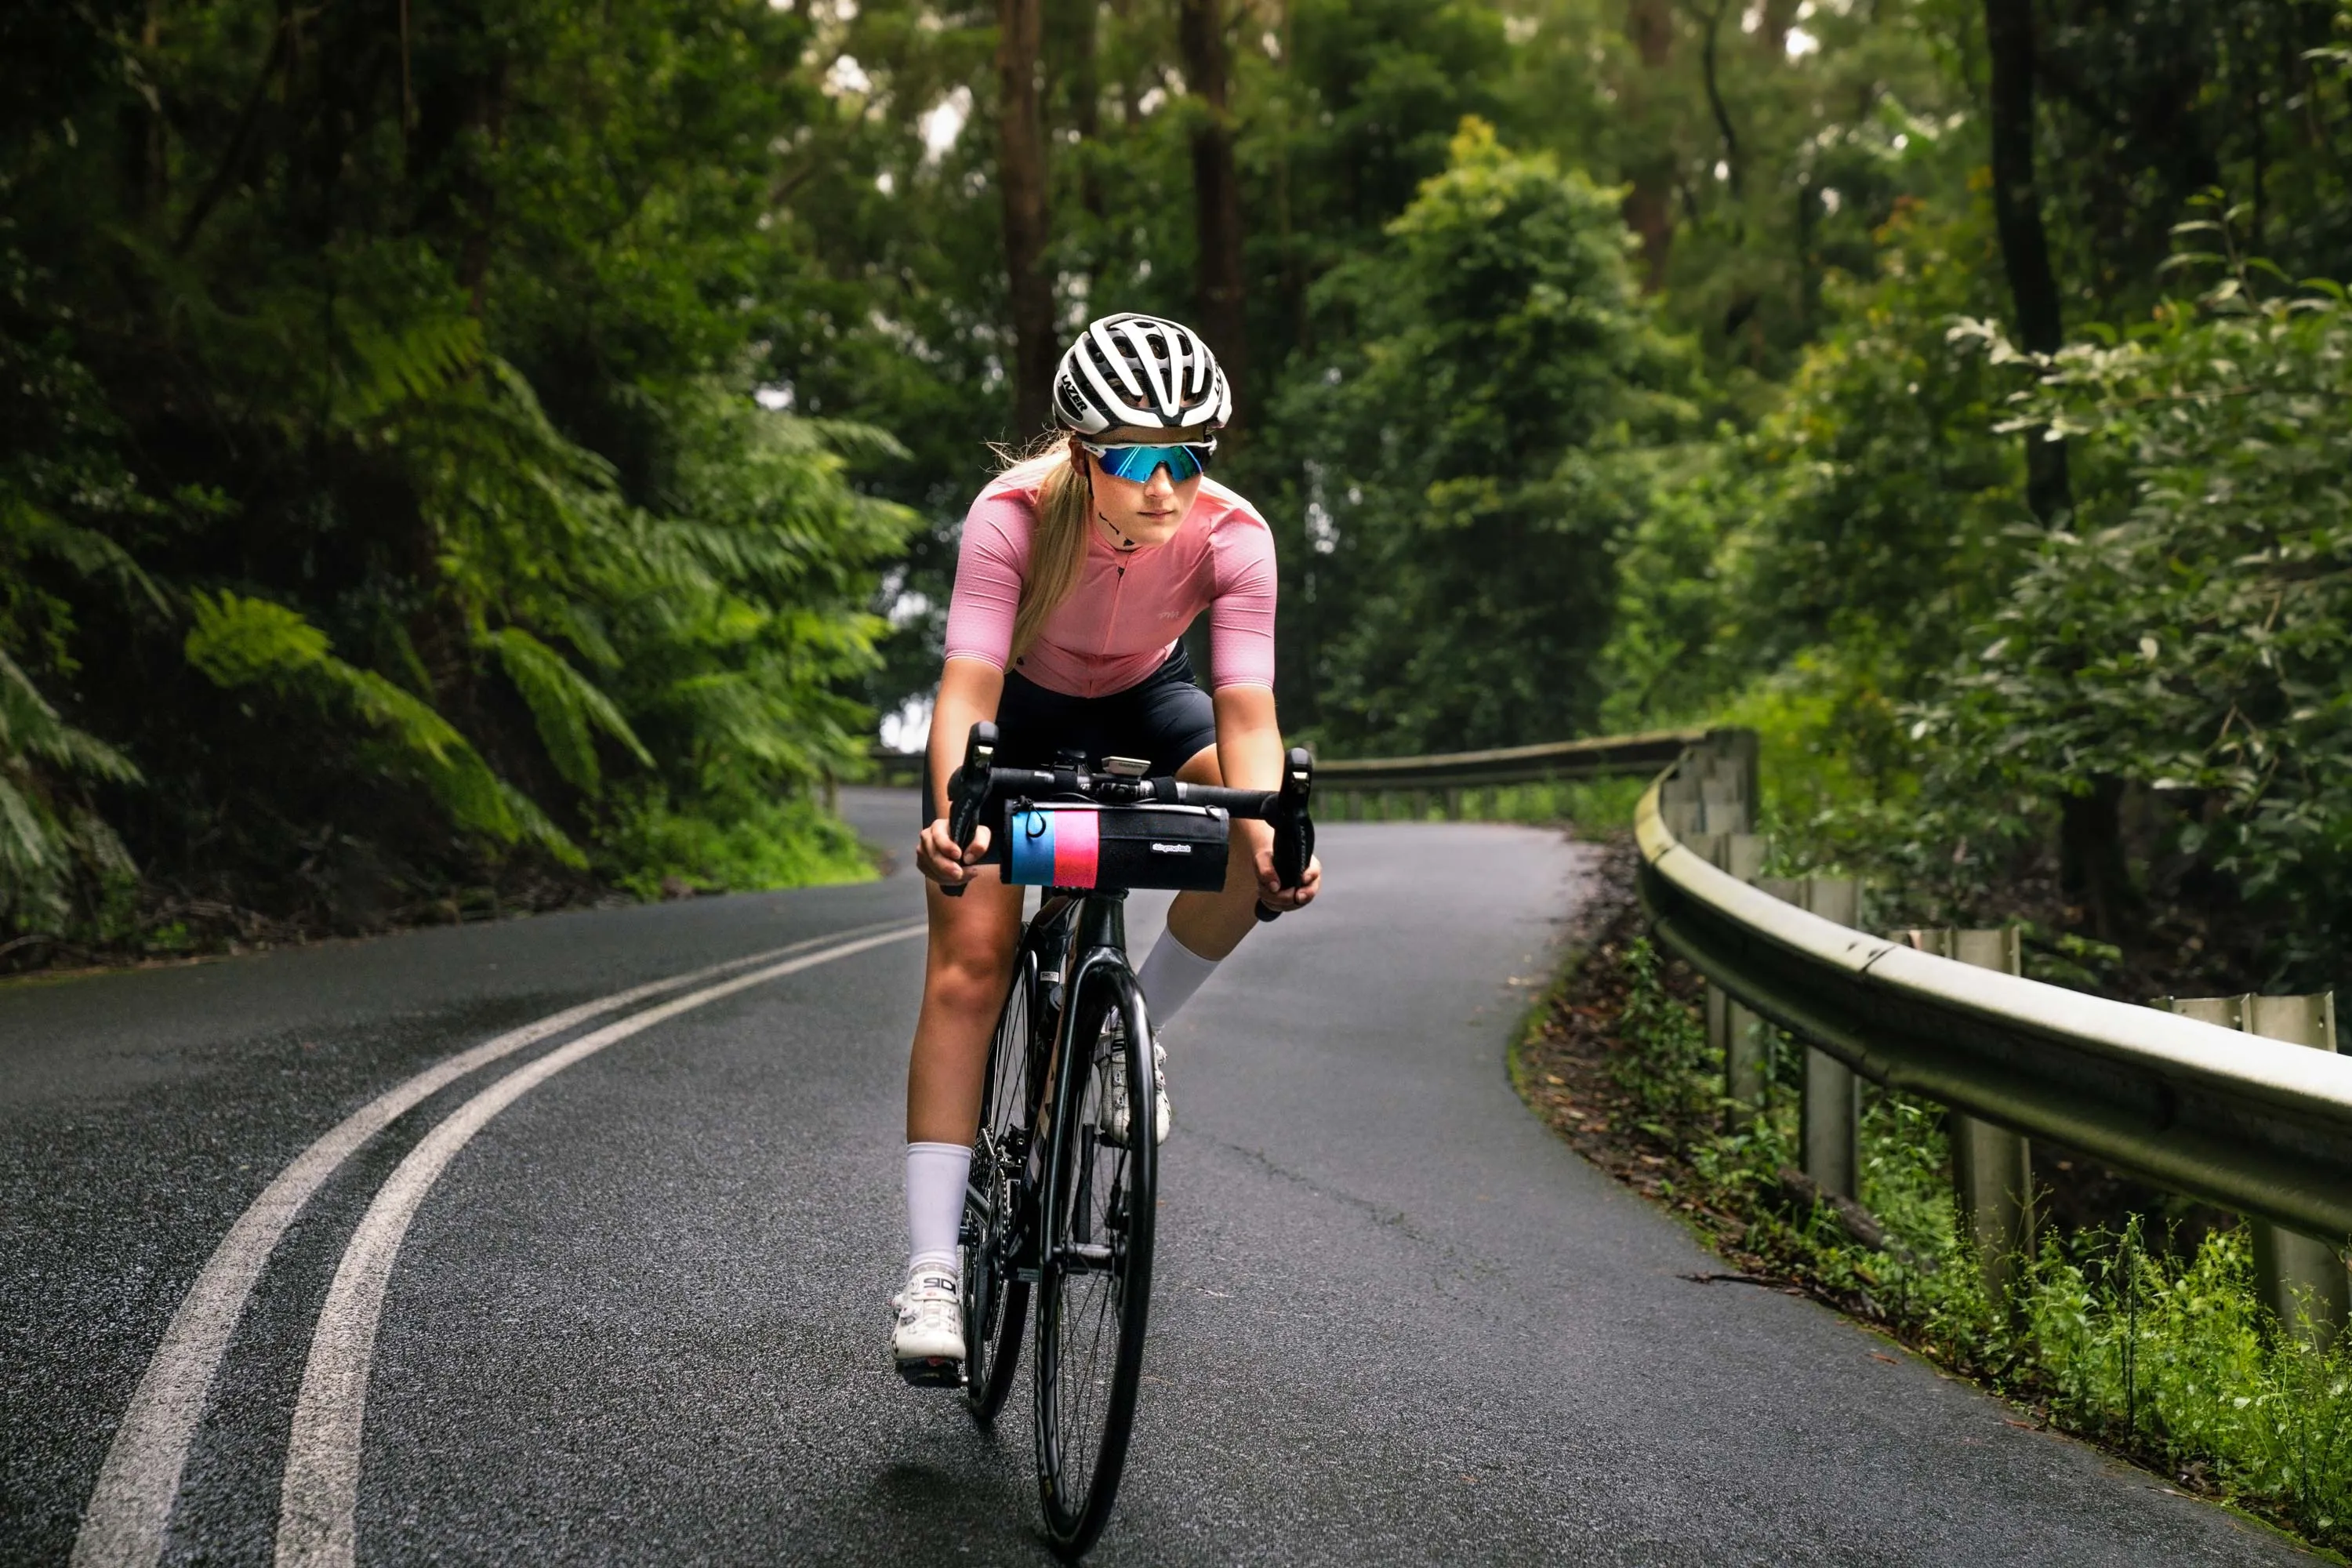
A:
(320, 1494)
(132, 1504)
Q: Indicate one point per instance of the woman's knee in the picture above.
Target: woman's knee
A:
(970, 968)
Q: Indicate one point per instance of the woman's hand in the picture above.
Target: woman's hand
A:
(938, 857)
(1270, 891)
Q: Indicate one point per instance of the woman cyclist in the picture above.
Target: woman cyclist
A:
(1080, 570)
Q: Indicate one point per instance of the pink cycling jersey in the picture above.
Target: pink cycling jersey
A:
(1129, 606)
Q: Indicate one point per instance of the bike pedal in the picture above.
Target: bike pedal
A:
(933, 1371)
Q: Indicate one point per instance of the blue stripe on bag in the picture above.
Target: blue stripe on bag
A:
(1033, 848)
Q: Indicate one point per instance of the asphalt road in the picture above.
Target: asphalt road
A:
(638, 1315)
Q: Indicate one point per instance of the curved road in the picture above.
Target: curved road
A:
(616, 1295)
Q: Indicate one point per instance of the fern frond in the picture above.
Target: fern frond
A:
(382, 369)
(243, 641)
(534, 825)
(89, 553)
(30, 728)
(565, 705)
(240, 642)
(29, 850)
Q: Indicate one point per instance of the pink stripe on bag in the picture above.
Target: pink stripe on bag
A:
(1077, 849)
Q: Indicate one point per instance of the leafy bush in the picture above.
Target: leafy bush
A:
(653, 850)
(2189, 629)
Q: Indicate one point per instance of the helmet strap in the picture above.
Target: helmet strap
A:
(1086, 466)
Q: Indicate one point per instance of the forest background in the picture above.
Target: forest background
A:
(466, 455)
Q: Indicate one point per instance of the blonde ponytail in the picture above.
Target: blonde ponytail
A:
(1057, 544)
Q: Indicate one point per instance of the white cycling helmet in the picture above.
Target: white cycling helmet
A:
(1144, 372)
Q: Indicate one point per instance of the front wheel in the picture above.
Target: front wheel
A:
(994, 1298)
(1094, 1288)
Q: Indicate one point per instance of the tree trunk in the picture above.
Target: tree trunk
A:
(2094, 874)
(1021, 175)
(1216, 190)
(2092, 869)
(1086, 102)
(1649, 173)
(2024, 245)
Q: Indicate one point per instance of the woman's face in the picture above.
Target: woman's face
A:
(1137, 514)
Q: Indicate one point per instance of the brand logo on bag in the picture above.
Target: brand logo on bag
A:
(1171, 848)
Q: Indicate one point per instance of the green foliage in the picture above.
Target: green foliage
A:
(1473, 455)
(569, 709)
(378, 464)
(1639, 406)
(49, 838)
(655, 851)
(2185, 629)
(2178, 1354)
(1669, 1067)
(247, 642)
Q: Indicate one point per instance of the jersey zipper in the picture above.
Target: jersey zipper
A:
(1118, 587)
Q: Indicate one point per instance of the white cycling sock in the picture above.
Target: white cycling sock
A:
(935, 1180)
(1171, 976)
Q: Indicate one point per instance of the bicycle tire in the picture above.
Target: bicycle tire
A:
(1094, 1266)
(995, 1301)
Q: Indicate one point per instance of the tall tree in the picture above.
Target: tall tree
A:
(1216, 191)
(1021, 175)
(2091, 864)
(1650, 171)
(2016, 210)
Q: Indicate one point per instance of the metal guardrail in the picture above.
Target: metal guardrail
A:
(896, 767)
(1605, 756)
(2255, 1125)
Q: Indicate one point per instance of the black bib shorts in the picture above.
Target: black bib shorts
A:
(1165, 718)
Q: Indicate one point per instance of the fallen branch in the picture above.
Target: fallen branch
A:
(1797, 1189)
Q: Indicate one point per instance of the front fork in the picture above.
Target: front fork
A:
(1076, 944)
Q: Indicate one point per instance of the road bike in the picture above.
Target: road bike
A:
(1064, 1189)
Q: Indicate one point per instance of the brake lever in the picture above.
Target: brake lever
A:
(1294, 831)
(968, 792)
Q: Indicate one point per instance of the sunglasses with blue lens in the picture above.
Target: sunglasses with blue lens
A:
(1140, 463)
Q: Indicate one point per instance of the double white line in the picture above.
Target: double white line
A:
(132, 1504)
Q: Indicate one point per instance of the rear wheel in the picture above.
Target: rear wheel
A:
(995, 1300)
(1095, 1274)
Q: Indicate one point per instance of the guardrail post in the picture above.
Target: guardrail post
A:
(1723, 801)
(1741, 749)
(1731, 1028)
(1992, 1168)
(2302, 1278)
(1832, 1118)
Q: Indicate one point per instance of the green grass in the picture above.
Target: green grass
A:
(2170, 1357)
(655, 851)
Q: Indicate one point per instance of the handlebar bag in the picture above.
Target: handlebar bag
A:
(1086, 846)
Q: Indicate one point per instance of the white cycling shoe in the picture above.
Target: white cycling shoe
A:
(927, 1345)
(1115, 1115)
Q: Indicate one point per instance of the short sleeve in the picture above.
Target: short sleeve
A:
(991, 560)
(1240, 616)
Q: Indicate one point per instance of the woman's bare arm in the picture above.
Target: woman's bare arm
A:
(969, 690)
